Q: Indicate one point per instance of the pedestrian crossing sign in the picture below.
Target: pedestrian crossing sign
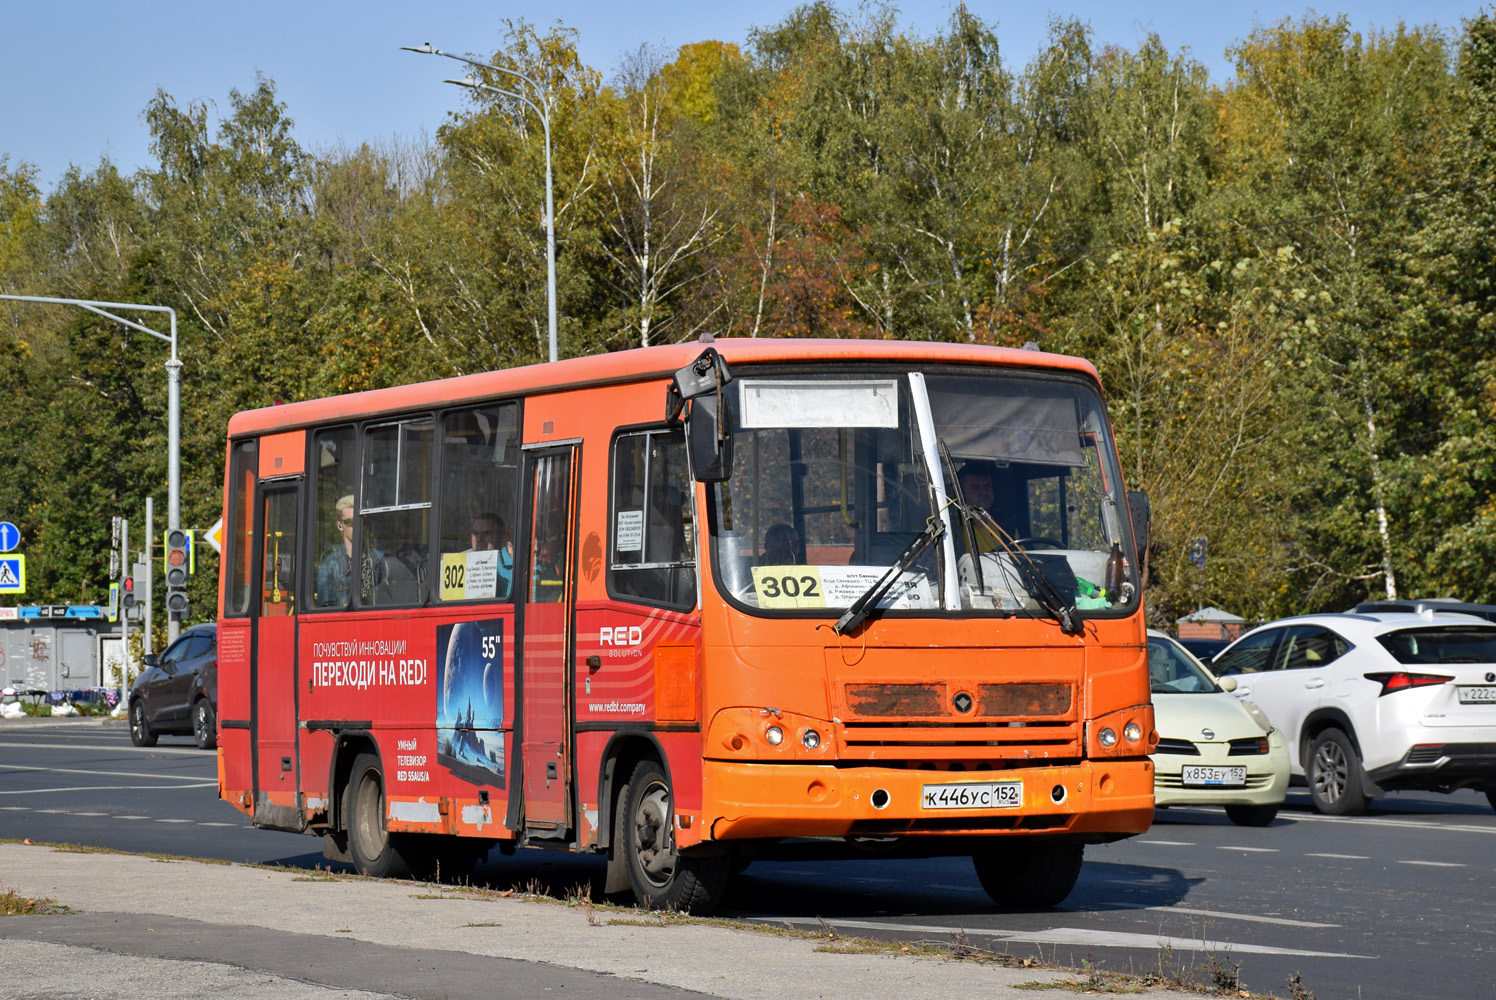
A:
(12, 574)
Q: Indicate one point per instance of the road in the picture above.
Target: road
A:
(1366, 907)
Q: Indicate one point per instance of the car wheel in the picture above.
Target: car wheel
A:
(140, 729)
(204, 725)
(1029, 874)
(1335, 775)
(663, 878)
(374, 850)
(1252, 815)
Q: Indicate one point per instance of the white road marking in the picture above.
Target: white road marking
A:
(112, 747)
(1074, 936)
(1168, 843)
(173, 821)
(112, 788)
(1343, 857)
(104, 774)
(1433, 864)
(1221, 915)
(88, 814)
(132, 817)
(218, 824)
(1254, 850)
(1406, 824)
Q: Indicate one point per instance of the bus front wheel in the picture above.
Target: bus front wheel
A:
(663, 878)
(1029, 874)
(374, 850)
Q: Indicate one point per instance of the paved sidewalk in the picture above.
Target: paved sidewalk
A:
(142, 927)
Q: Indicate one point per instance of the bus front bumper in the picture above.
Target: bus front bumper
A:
(1104, 800)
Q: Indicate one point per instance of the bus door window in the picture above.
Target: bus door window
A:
(335, 475)
(280, 554)
(395, 512)
(478, 502)
(653, 546)
(550, 528)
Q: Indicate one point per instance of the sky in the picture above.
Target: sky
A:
(338, 67)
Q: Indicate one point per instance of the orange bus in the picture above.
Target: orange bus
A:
(691, 605)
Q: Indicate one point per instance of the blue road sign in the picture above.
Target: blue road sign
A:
(12, 574)
(10, 536)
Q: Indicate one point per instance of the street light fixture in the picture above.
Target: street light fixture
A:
(543, 110)
(173, 400)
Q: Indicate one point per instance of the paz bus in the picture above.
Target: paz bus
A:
(691, 605)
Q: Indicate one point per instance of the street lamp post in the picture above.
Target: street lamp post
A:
(173, 402)
(543, 110)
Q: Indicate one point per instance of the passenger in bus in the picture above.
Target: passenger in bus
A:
(781, 547)
(488, 533)
(548, 577)
(333, 570)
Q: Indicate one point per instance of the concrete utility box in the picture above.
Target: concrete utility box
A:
(51, 654)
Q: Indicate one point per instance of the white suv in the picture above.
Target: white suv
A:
(1375, 702)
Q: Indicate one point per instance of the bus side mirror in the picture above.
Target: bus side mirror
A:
(1142, 515)
(708, 433)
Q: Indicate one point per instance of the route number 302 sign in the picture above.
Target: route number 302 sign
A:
(833, 587)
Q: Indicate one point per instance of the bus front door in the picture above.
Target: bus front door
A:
(272, 681)
(546, 643)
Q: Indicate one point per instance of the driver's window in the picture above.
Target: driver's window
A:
(174, 652)
(1308, 648)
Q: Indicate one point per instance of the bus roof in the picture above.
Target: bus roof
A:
(630, 366)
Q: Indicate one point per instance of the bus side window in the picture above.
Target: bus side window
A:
(652, 546)
(240, 536)
(395, 508)
(334, 475)
(479, 498)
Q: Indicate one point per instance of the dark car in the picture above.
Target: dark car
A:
(177, 692)
(1204, 649)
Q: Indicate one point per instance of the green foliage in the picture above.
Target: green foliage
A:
(1286, 282)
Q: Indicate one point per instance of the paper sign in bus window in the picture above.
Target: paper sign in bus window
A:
(629, 535)
(468, 576)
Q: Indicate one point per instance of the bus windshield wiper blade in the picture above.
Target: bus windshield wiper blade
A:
(864, 606)
(1034, 579)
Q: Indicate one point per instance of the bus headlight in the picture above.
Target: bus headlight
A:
(1124, 733)
(811, 739)
(1107, 737)
(1133, 732)
(774, 735)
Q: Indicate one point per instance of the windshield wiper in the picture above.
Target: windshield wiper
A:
(864, 606)
(1035, 579)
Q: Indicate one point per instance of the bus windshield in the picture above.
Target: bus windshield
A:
(834, 475)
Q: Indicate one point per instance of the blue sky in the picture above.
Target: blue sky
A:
(76, 74)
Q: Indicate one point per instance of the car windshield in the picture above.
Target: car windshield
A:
(1172, 670)
(1441, 645)
(833, 475)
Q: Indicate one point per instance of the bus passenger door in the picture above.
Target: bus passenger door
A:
(272, 681)
(546, 643)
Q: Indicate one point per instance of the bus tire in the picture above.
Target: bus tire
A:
(375, 851)
(1029, 874)
(140, 729)
(663, 878)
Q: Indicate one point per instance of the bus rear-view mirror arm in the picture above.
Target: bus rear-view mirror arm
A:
(708, 431)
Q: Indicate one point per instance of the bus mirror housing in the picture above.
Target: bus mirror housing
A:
(1142, 514)
(696, 392)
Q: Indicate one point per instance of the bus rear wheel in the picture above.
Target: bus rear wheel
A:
(374, 850)
(662, 877)
(1029, 874)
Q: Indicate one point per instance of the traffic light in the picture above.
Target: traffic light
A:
(180, 561)
(179, 565)
(127, 593)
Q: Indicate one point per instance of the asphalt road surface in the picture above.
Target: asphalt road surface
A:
(1397, 904)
